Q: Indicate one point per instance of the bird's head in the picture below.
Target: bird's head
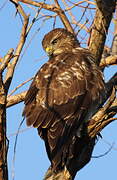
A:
(59, 40)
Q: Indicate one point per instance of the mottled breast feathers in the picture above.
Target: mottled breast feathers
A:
(65, 92)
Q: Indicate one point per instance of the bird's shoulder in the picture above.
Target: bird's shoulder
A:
(64, 85)
(76, 61)
(64, 77)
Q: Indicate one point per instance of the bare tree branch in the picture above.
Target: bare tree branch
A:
(103, 117)
(40, 4)
(33, 21)
(6, 59)
(3, 138)
(63, 17)
(110, 60)
(100, 27)
(13, 100)
(100, 119)
(11, 67)
(3, 93)
(55, 8)
(20, 85)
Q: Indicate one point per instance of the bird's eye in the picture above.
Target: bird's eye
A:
(54, 41)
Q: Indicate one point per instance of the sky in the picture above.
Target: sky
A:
(31, 161)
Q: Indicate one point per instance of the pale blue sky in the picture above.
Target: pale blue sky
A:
(31, 160)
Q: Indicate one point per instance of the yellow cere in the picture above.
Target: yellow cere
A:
(48, 49)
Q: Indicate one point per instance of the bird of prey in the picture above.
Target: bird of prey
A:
(65, 93)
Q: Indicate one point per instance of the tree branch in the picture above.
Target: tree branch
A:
(110, 60)
(84, 145)
(100, 26)
(3, 138)
(11, 67)
(40, 4)
(13, 100)
(63, 17)
(101, 118)
(54, 8)
(20, 85)
(6, 60)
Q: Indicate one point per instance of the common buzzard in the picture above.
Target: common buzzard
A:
(65, 93)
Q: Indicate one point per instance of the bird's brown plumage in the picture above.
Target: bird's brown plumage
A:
(64, 94)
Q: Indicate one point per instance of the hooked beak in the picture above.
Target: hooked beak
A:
(49, 50)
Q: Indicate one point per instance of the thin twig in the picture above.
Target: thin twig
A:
(90, 2)
(75, 5)
(3, 5)
(20, 85)
(102, 155)
(33, 21)
(52, 8)
(83, 25)
(15, 145)
(6, 59)
(20, 131)
(32, 37)
(11, 67)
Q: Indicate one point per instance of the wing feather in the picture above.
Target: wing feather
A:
(59, 85)
(62, 95)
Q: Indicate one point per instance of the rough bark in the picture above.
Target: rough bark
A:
(3, 139)
(100, 27)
